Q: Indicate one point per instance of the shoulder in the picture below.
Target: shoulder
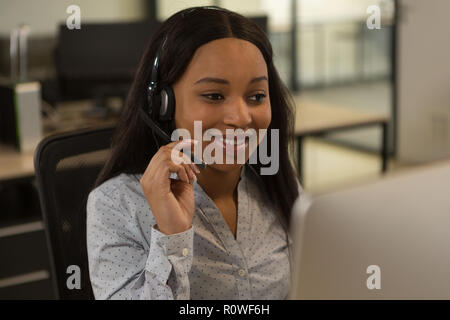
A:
(117, 185)
(119, 204)
(120, 192)
(117, 211)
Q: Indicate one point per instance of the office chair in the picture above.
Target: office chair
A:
(66, 167)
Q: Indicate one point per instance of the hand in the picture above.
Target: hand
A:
(171, 201)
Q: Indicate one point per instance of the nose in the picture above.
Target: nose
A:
(237, 114)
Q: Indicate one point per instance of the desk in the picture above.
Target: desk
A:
(15, 165)
(316, 119)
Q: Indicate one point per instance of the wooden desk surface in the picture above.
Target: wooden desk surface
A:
(14, 164)
(312, 116)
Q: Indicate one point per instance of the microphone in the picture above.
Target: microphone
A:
(160, 132)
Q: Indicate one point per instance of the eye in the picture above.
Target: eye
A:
(260, 97)
(212, 96)
(218, 97)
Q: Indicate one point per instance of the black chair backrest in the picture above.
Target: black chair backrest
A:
(66, 167)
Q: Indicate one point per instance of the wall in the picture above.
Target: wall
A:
(43, 16)
(423, 80)
(247, 7)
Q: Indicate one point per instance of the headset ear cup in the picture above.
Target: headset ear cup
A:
(167, 104)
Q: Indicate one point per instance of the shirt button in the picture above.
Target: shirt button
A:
(185, 252)
(242, 272)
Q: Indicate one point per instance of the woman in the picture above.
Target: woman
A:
(218, 233)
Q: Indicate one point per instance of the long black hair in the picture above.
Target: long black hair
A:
(133, 145)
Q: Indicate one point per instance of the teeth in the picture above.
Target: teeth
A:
(231, 141)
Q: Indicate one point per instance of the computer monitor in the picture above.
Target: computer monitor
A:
(100, 59)
(262, 22)
(388, 239)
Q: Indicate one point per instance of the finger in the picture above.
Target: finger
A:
(194, 168)
(166, 166)
(187, 145)
(180, 171)
(192, 177)
(191, 168)
(186, 159)
(186, 173)
(165, 155)
(180, 157)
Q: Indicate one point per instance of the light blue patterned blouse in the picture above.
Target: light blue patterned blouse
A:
(130, 259)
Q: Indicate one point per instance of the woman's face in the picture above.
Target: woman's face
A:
(225, 86)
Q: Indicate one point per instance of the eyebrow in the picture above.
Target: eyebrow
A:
(223, 81)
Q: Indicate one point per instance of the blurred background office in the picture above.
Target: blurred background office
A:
(371, 99)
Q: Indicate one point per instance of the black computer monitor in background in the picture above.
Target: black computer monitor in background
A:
(262, 22)
(100, 59)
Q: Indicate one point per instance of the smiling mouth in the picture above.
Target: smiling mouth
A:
(233, 145)
(234, 141)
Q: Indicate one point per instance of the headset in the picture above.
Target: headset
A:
(164, 101)
(161, 102)
(160, 105)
